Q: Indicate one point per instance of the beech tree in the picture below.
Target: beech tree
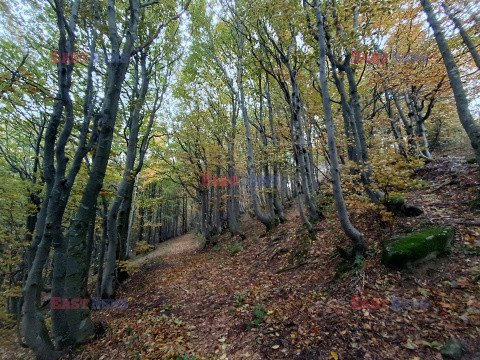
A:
(71, 258)
(471, 127)
(352, 233)
(244, 110)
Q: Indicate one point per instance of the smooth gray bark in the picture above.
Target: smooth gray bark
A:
(420, 129)
(350, 231)
(471, 127)
(296, 107)
(232, 201)
(291, 91)
(266, 219)
(49, 226)
(276, 201)
(80, 325)
(103, 245)
(464, 34)
(120, 209)
(406, 123)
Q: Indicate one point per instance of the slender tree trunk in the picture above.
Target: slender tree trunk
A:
(81, 327)
(49, 226)
(302, 153)
(357, 113)
(396, 131)
(350, 231)
(103, 245)
(407, 125)
(216, 205)
(90, 242)
(354, 122)
(310, 160)
(464, 34)
(297, 181)
(471, 127)
(351, 132)
(266, 219)
(204, 214)
(276, 201)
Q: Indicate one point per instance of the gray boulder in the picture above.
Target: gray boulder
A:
(452, 349)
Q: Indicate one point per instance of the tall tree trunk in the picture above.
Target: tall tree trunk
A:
(297, 181)
(49, 226)
(120, 210)
(80, 325)
(365, 172)
(420, 129)
(103, 245)
(276, 201)
(464, 34)
(471, 127)
(310, 160)
(407, 125)
(216, 206)
(350, 231)
(301, 148)
(353, 140)
(397, 134)
(266, 219)
(204, 214)
(126, 184)
(352, 113)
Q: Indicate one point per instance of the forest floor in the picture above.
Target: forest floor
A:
(282, 295)
(180, 245)
(286, 294)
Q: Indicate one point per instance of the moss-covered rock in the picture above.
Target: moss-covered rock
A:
(396, 205)
(400, 252)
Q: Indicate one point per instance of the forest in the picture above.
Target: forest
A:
(232, 179)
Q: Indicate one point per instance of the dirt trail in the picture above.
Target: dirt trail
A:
(180, 245)
(277, 296)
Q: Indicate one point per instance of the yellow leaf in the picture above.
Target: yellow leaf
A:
(334, 355)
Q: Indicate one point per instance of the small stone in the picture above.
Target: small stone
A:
(452, 349)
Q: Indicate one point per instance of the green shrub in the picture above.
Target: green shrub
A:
(234, 248)
(143, 247)
(260, 314)
(239, 298)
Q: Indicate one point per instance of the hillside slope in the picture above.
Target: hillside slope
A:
(279, 296)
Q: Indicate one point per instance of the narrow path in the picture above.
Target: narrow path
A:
(232, 302)
(180, 245)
